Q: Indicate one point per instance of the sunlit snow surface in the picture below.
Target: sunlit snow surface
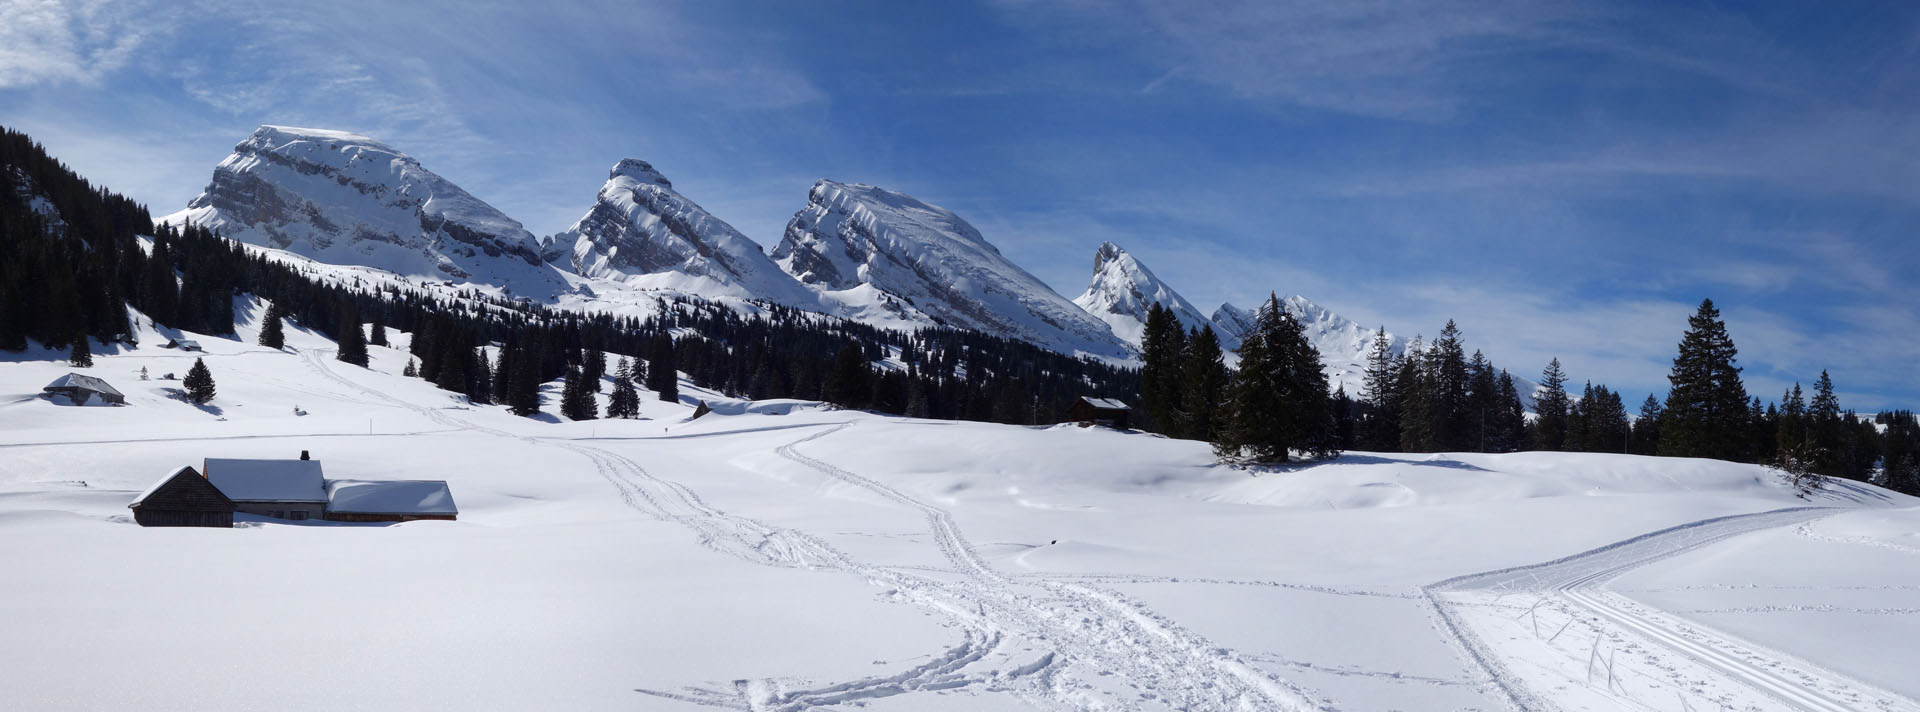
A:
(785, 555)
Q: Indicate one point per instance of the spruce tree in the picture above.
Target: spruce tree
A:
(1646, 428)
(1414, 388)
(1447, 415)
(410, 371)
(378, 331)
(1380, 432)
(199, 383)
(625, 402)
(352, 343)
(1204, 371)
(1161, 346)
(1551, 408)
(1707, 409)
(272, 331)
(1279, 401)
(82, 354)
(662, 372)
(1511, 432)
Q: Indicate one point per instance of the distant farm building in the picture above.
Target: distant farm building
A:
(183, 499)
(183, 344)
(285, 489)
(389, 501)
(81, 389)
(1107, 412)
(282, 489)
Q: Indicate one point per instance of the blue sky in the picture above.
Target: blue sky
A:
(1563, 178)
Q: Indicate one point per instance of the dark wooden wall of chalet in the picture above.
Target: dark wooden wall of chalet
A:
(177, 518)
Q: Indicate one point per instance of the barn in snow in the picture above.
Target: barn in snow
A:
(82, 389)
(389, 501)
(283, 489)
(183, 499)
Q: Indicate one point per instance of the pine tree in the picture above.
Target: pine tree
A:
(1552, 408)
(625, 402)
(1414, 388)
(82, 354)
(1381, 430)
(662, 373)
(272, 331)
(1646, 428)
(378, 331)
(1204, 371)
(1483, 395)
(593, 366)
(577, 398)
(1279, 402)
(523, 382)
(1510, 433)
(410, 371)
(352, 343)
(847, 382)
(1446, 408)
(1161, 346)
(199, 383)
(1707, 409)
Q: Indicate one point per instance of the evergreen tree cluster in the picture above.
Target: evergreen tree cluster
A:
(1433, 397)
(1183, 380)
(1277, 404)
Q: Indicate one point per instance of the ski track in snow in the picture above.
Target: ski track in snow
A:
(1018, 637)
(1680, 655)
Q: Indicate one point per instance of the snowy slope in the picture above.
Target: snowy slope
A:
(1344, 345)
(347, 199)
(887, 255)
(644, 234)
(786, 556)
(1123, 289)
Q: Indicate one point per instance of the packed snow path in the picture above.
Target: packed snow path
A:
(1550, 636)
(1053, 644)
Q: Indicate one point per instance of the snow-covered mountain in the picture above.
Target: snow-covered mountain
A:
(1123, 290)
(346, 199)
(886, 255)
(1343, 344)
(643, 233)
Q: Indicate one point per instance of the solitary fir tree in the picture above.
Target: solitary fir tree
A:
(272, 332)
(1279, 402)
(1552, 408)
(410, 371)
(1707, 408)
(82, 354)
(625, 402)
(199, 383)
(353, 343)
(576, 399)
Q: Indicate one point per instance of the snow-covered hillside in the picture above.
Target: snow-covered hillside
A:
(347, 199)
(1123, 290)
(879, 252)
(788, 556)
(644, 234)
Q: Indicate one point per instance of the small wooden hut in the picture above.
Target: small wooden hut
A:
(1109, 412)
(183, 499)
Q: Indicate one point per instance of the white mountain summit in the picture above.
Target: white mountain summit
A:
(346, 199)
(886, 256)
(644, 234)
(1123, 290)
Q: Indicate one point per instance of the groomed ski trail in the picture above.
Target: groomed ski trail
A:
(1098, 630)
(1679, 657)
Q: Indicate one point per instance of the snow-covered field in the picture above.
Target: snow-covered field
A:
(784, 555)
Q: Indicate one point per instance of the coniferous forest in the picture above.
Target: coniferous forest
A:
(74, 258)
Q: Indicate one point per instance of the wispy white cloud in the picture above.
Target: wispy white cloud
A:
(52, 41)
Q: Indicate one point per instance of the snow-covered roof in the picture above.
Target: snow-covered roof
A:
(267, 480)
(390, 497)
(1104, 403)
(82, 381)
(148, 492)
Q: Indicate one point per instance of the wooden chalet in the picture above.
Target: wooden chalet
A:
(1108, 412)
(282, 489)
(183, 499)
(82, 389)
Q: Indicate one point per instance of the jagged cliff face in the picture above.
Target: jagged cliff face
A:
(1123, 290)
(343, 198)
(866, 248)
(643, 233)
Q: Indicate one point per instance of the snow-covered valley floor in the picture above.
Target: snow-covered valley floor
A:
(778, 556)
